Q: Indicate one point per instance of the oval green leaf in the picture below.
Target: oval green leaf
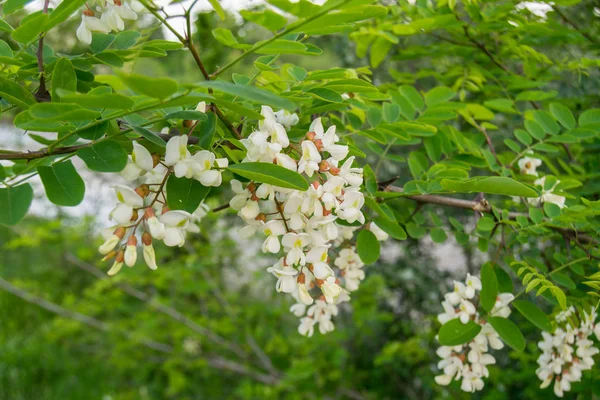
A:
(454, 332)
(271, 174)
(509, 332)
(106, 156)
(533, 314)
(14, 203)
(64, 186)
(367, 247)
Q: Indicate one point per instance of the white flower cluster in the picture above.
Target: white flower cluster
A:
(146, 205)
(568, 351)
(303, 224)
(469, 361)
(112, 16)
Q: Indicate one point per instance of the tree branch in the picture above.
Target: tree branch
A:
(481, 206)
(568, 21)
(164, 309)
(42, 92)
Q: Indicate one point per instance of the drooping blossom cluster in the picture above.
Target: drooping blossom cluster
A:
(468, 362)
(105, 16)
(143, 211)
(302, 225)
(568, 351)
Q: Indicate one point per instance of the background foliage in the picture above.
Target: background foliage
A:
(438, 93)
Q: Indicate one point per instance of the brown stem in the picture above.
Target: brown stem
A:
(484, 49)
(42, 93)
(46, 152)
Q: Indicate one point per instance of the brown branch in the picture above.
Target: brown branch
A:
(221, 207)
(482, 206)
(42, 92)
(484, 49)
(47, 152)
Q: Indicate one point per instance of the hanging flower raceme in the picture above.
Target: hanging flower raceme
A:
(568, 351)
(142, 213)
(302, 225)
(468, 362)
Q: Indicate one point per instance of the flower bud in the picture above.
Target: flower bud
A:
(131, 251)
(117, 2)
(303, 295)
(310, 135)
(88, 13)
(261, 217)
(315, 184)
(112, 241)
(319, 144)
(187, 123)
(146, 239)
(319, 282)
(134, 216)
(301, 278)
(334, 171)
(148, 251)
(116, 267)
(140, 192)
(324, 166)
(109, 256)
(251, 187)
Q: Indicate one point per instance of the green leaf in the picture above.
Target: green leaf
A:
(218, 9)
(159, 88)
(62, 112)
(326, 94)
(89, 100)
(391, 112)
(502, 105)
(283, 47)
(94, 132)
(254, 94)
(350, 86)
(489, 287)
(523, 137)
(370, 179)
(30, 27)
(504, 281)
(16, 94)
(413, 96)
(14, 203)
(536, 215)
(105, 156)
(563, 115)
(536, 95)
(265, 18)
(589, 117)
(546, 122)
(417, 163)
(563, 280)
(63, 77)
(62, 12)
(226, 37)
(271, 174)
(149, 135)
(392, 228)
(14, 5)
(533, 314)
(126, 39)
(509, 332)
(191, 115)
(491, 184)
(438, 235)
(185, 194)
(64, 186)
(379, 51)
(454, 332)
(367, 246)
(206, 131)
(438, 95)
(486, 224)
(551, 210)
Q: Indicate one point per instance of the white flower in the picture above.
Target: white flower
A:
(286, 161)
(465, 310)
(116, 267)
(286, 277)
(309, 162)
(111, 241)
(547, 195)
(352, 176)
(349, 210)
(307, 326)
(175, 222)
(298, 309)
(273, 229)
(528, 165)
(204, 161)
(286, 119)
(501, 308)
(149, 256)
(88, 25)
(139, 163)
(201, 107)
(303, 295)
(330, 289)
(294, 244)
(473, 284)
(178, 157)
(128, 200)
(378, 232)
(329, 140)
(273, 128)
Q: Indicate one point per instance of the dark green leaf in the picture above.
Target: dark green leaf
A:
(256, 95)
(392, 228)
(64, 186)
(489, 289)
(454, 332)
(63, 77)
(14, 203)
(509, 332)
(367, 246)
(271, 174)
(160, 88)
(149, 135)
(533, 314)
(185, 194)
(16, 94)
(105, 156)
(563, 115)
